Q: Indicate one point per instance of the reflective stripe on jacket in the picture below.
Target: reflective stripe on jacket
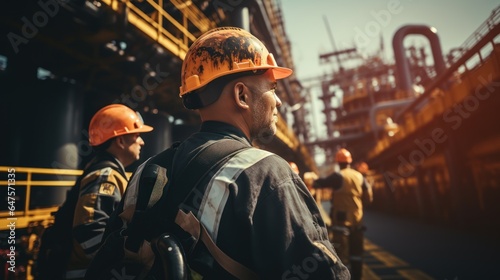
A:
(259, 213)
(100, 193)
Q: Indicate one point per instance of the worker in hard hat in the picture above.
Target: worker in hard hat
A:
(362, 167)
(351, 192)
(261, 221)
(309, 178)
(230, 77)
(114, 134)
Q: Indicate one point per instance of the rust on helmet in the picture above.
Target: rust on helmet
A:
(222, 50)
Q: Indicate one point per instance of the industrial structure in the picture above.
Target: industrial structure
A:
(63, 60)
(427, 131)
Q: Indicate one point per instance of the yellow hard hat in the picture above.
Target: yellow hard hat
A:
(114, 120)
(223, 51)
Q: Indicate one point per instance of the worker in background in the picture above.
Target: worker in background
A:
(362, 167)
(114, 133)
(309, 178)
(351, 192)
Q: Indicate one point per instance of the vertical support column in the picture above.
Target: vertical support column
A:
(60, 113)
(452, 158)
(241, 17)
(433, 215)
(418, 193)
(462, 192)
(20, 74)
(45, 127)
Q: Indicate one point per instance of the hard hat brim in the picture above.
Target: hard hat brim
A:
(143, 128)
(281, 72)
(278, 73)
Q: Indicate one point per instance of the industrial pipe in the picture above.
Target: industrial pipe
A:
(402, 65)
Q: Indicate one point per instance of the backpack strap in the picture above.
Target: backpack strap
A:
(189, 223)
(212, 157)
(194, 171)
(153, 186)
(153, 180)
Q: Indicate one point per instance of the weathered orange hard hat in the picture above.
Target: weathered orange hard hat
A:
(114, 120)
(223, 51)
(343, 155)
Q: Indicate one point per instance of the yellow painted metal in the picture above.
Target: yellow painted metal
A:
(152, 24)
(28, 217)
(194, 14)
(468, 84)
(286, 135)
(388, 259)
(414, 274)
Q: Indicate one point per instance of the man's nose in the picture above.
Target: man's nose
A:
(278, 100)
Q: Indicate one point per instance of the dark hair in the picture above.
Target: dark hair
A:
(210, 93)
(104, 146)
(343, 165)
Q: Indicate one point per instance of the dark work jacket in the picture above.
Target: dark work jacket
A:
(100, 192)
(259, 212)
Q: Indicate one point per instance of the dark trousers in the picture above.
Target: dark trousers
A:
(348, 242)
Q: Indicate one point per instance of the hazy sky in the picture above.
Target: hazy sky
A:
(361, 22)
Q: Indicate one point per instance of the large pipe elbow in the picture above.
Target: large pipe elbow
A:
(404, 78)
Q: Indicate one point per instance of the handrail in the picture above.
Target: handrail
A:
(153, 26)
(24, 177)
(480, 33)
(29, 182)
(194, 14)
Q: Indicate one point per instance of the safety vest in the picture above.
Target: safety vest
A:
(347, 201)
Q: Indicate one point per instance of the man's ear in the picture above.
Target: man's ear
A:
(120, 141)
(241, 95)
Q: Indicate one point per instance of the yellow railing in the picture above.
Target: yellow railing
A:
(14, 178)
(152, 24)
(485, 71)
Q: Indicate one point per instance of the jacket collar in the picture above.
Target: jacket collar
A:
(224, 129)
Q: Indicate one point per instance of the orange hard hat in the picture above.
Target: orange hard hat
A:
(114, 120)
(343, 155)
(223, 51)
